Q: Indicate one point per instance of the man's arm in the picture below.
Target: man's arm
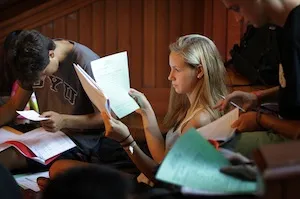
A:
(267, 95)
(90, 121)
(58, 121)
(287, 128)
(16, 102)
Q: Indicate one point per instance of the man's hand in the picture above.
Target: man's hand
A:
(241, 167)
(54, 123)
(246, 122)
(247, 100)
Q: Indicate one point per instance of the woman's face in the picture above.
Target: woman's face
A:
(183, 77)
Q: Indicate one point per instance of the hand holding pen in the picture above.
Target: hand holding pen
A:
(248, 120)
(234, 104)
(248, 100)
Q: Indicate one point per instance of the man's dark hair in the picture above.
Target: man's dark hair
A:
(92, 181)
(29, 55)
(10, 39)
(6, 72)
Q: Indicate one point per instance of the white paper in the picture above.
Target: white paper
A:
(32, 115)
(29, 181)
(42, 143)
(220, 129)
(112, 76)
(96, 95)
(6, 135)
(46, 144)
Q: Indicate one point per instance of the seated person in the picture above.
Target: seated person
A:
(260, 128)
(92, 181)
(198, 79)
(9, 188)
(45, 66)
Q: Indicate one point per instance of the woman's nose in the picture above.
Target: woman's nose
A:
(171, 77)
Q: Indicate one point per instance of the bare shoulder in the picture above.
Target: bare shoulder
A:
(200, 119)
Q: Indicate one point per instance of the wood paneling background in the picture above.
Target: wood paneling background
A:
(144, 28)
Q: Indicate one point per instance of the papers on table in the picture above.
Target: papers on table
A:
(194, 163)
(111, 82)
(38, 144)
(220, 129)
(29, 181)
(32, 115)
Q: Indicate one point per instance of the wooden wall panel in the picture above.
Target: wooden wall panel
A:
(149, 44)
(188, 16)
(98, 27)
(175, 19)
(136, 45)
(162, 39)
(85, 25)
(111, 29)
(144, 28)
(221, 26)
(59, 28)
(72, 26)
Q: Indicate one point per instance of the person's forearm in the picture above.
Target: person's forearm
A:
(15, 103)
(286, 128)
(268, 94)
(7, 113)
(90, 121)
(144, 163)
(154, 138)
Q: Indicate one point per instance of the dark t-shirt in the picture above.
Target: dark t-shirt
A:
(63, 93)
(289, 97)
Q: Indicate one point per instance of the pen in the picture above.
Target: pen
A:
(234, 104)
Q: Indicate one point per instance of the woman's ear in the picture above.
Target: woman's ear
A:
(200, 72)
(51, 53)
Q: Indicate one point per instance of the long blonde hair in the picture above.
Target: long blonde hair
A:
(197, 50)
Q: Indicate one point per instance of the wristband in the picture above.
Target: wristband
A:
(125, 138)
(129, 147)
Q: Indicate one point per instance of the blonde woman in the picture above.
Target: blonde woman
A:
(197, 75)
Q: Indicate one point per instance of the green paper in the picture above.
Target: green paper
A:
(193, 162)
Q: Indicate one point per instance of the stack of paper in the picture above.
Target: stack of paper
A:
(38, 144)
(220, 129)
(29, 181)
(111, 82)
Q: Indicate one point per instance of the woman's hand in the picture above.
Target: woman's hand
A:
(114, 129)
(142, 101)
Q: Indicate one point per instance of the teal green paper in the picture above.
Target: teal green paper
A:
(193, 162)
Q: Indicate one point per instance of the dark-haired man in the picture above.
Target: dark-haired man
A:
(284, 13)
(45, 66)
